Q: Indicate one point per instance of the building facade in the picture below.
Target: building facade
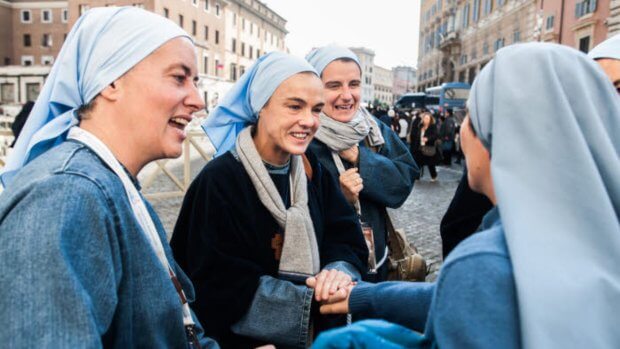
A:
(458, 37)
(382, 86)
(404, 80)
(366, 57)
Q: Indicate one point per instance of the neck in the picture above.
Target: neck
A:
(117, 143)
(269, 152)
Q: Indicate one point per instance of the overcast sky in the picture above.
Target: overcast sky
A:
(389, 27)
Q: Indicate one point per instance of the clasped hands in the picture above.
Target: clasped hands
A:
(332, 289)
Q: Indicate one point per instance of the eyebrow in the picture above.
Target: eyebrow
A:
(296, 99)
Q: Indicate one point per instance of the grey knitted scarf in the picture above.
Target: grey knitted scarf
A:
(300, 252)
(339, 136)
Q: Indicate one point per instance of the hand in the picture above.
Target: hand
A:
(327, 282)
(351, 184)
(425, 139)
(351, 155)
(338, 303)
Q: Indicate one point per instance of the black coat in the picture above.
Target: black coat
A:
(414, 145)
(223, 237)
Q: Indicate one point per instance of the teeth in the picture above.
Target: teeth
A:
(299, 135)
(343, 107)
(180, 121)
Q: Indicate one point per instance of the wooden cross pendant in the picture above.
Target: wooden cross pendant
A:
(276, 244)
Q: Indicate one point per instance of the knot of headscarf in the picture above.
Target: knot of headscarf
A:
(241, 105)
(339, 136)
(300, 252)
(102, 46)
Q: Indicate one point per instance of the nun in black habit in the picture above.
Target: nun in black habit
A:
(264, 216)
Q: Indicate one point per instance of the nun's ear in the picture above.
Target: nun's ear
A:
(111, 92)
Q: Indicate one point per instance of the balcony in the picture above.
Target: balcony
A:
(450, 43)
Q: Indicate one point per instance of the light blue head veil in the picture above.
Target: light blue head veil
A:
(240, 106)
(551, 121)
(322, 56)
(609, 48)
(103, 45)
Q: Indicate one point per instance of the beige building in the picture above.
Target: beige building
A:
(613, 21)
(382, 85)
(458, 37)
(19, 85)
(366, 58)
(31, 32)
(404, 80)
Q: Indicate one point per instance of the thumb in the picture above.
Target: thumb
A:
(311, 282)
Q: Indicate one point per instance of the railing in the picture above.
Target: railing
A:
(162, 168)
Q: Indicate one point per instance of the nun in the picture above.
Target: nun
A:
(374, 167)
(607, 55)
(543, 271)
(85, 261)
(264, 216)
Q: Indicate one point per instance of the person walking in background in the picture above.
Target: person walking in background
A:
(263, 215)
(85, 260)
(403, 123)
(423, 147)
(20, 120)
(446, 134)
(374, 167)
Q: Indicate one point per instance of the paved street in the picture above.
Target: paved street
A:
(420, 215)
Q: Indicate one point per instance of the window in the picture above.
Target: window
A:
(243, 24)
(251, 52)
(500, 3)
(516, 36)
(549, 25)
(218, 66)
(233, 72)
(83, 8)
(488, 7)
(181, 21)
(194, 28)
(206, 32)
(234, 45)
(166, 13)
(206, 5)
(584, 44)
(138, 5)
(251, 28)
(258, 32)
(7, 93)
(46, 40)
(466, 16)
(26, 16)
(584, 7)
(64, 16)
(195, 3)
(27, 60)
(46, 16)
(217, 37)
(47, 60)
(217, 10)
(476, 11)
(499, 43)
(234, 21)
(32, 91)
(242, 49)
(241, 70)
(27, 40)
(463, 59)
(485, 48)
(257, 53)
(205, 65)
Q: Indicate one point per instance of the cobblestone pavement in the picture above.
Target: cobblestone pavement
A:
(420, 215)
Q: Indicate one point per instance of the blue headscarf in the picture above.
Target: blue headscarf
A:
(103, 45)
(241, 105)
(609, 48)
(322, 56)
(551, 121)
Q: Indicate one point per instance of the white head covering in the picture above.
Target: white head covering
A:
(609, 48)
(103, 44)
(551, 122)
(322, 56)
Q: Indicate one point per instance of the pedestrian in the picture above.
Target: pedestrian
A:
(515, 283)
(263, 216)
(85, 260)
(386, 117)
(374, 168)
(20, 120)
(403, 123)
(446, 134)
(424, 139)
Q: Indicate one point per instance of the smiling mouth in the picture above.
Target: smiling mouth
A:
(302, 136)
(344, 107)
(178, 122)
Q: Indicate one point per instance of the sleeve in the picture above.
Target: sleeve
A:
(343, 240)
(388, 175)
(404, 303)
(475, 304)
(61, 266)
(279, 313)
(205, 244)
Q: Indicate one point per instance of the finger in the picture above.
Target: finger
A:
(344, 280)
(311, 282)
(320, 280)
(327, 286)
(338, 296)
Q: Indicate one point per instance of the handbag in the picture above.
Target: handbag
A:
(428, 150)
(404, 261)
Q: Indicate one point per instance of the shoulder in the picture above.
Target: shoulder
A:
(220, 169)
